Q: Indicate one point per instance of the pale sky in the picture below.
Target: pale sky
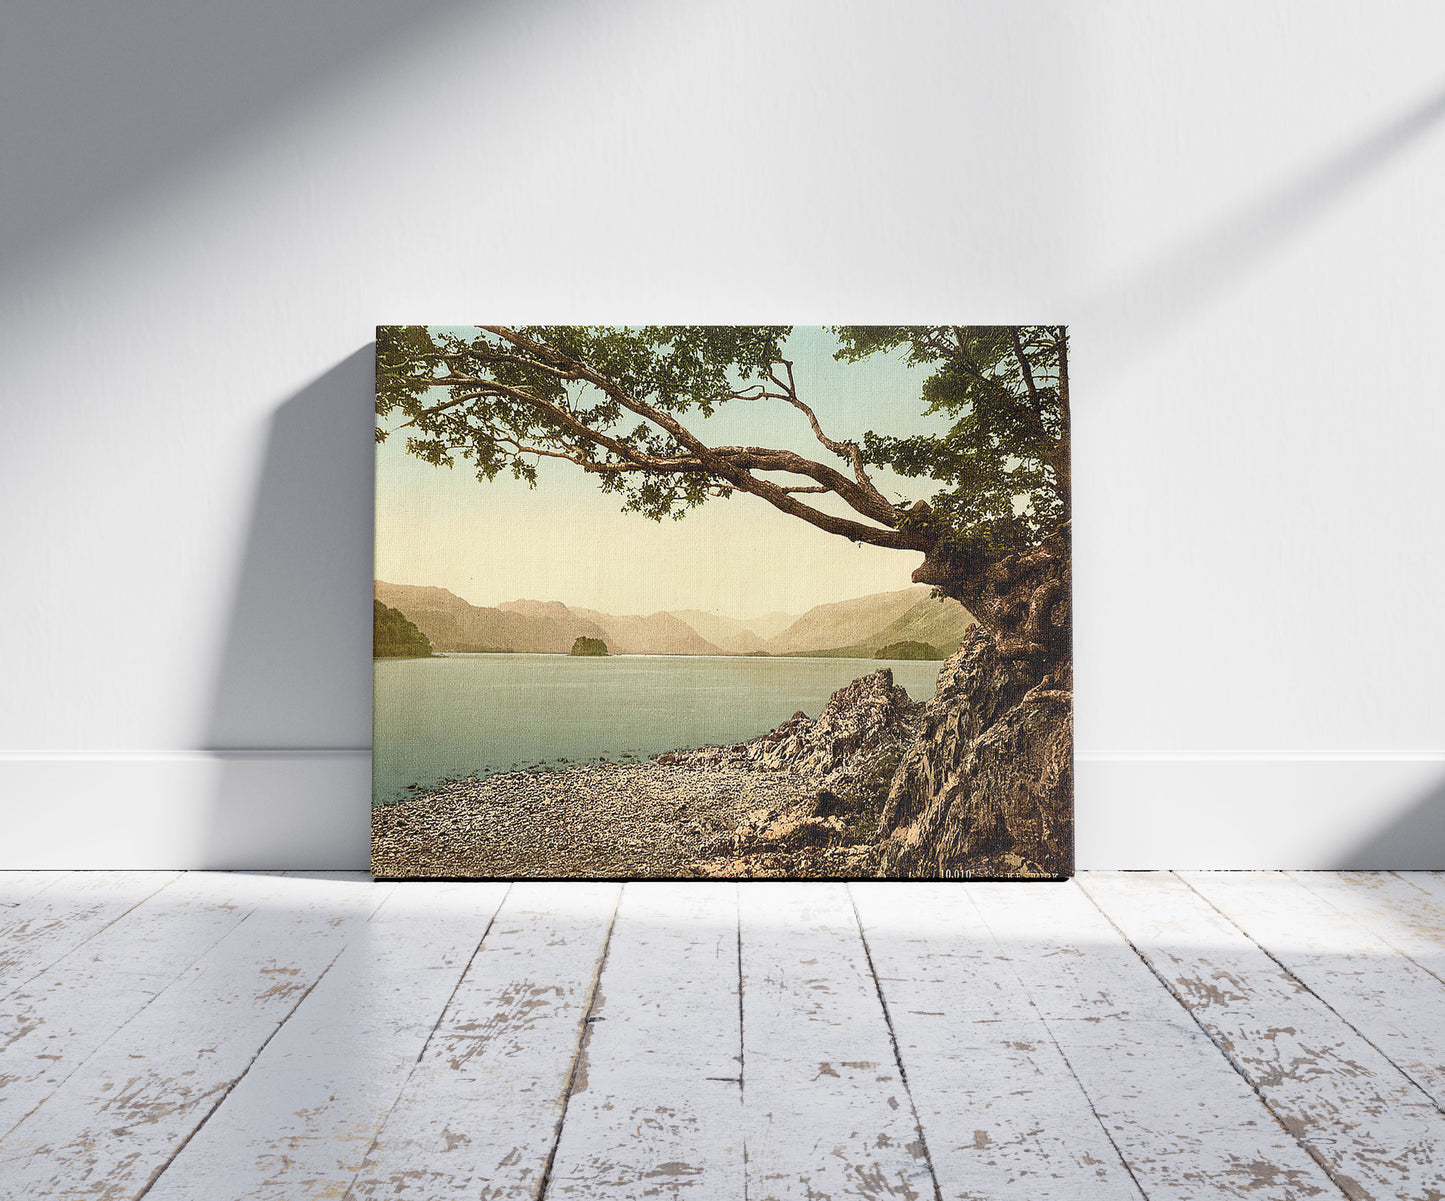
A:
(565, 540)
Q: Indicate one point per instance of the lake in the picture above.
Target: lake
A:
(463, 715)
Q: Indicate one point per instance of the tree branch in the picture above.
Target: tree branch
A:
(847, 451)
(1028, 373)
(733, 467)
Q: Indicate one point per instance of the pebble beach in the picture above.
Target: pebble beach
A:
(602, 821)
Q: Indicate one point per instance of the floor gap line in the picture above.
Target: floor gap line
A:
(441, 1016)
(1411, 884)
(93, 934)
(893, 1042)
(584, 1036)
(231, 1086)
(44, 888)
(1230, 1059)
(1293, 877)
(1068, 1063)
(1424, 967)
(106, 1041)
(742, 1038)
(1273, 958)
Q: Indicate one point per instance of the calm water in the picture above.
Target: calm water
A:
(464, 715)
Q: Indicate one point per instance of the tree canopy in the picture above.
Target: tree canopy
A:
(622, 405)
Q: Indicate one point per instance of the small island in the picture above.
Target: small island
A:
(589, 646)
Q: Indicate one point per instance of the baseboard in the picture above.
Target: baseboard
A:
(309, 809)
(276, 809)
(1259, 810)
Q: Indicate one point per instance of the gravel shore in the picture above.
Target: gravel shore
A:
(606, 820)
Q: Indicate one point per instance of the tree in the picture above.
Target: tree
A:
(393, 636)
(620, 404)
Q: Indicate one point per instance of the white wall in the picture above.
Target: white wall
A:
(208, 206)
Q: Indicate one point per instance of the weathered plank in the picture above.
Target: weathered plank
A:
(1430, 883)
(826, 1111)
(300, 1122)
(1186, 1124)
(1389, 999)
(48, 925)
(480, 1114)
(54, 1022)
(1013, 1033)
(1375, 1131)
(655, 1108)
(1403, 908)
(123, 1114)
(1002, 1115)
(17, 886)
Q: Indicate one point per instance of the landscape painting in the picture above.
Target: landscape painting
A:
(723, 602)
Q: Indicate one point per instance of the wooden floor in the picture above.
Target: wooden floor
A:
(1189, 1035)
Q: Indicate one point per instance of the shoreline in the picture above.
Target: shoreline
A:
(600, 821)
(803, 800)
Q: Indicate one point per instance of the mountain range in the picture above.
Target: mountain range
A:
(857, 627)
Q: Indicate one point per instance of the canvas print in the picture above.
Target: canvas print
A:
(723, 602)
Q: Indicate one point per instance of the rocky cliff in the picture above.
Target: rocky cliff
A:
(977, 782)
(987, 787)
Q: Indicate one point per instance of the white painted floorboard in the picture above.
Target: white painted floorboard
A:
(656, 1103)
(301, 1121)
(1126, 1036)
(480, 1114)
(1185, 1124)
(826, 1112)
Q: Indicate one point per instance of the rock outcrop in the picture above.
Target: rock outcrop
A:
(850, 749)
(846, 756)
(986, 789)
(976, 783)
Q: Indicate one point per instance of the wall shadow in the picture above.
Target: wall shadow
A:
(1414, 841)
(103, 102)
(294, 673)
(1157, 299)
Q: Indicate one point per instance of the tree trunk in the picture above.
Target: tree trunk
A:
(987, 789)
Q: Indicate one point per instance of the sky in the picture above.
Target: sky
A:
(565, 540)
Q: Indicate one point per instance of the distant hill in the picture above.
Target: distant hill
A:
(845, 623)
(857, 628)
(854, 628)
(394, 637)
(941, 623)
(909, 650)
(453, 624)
(726, 633)
(770, 625)
(657, 634)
